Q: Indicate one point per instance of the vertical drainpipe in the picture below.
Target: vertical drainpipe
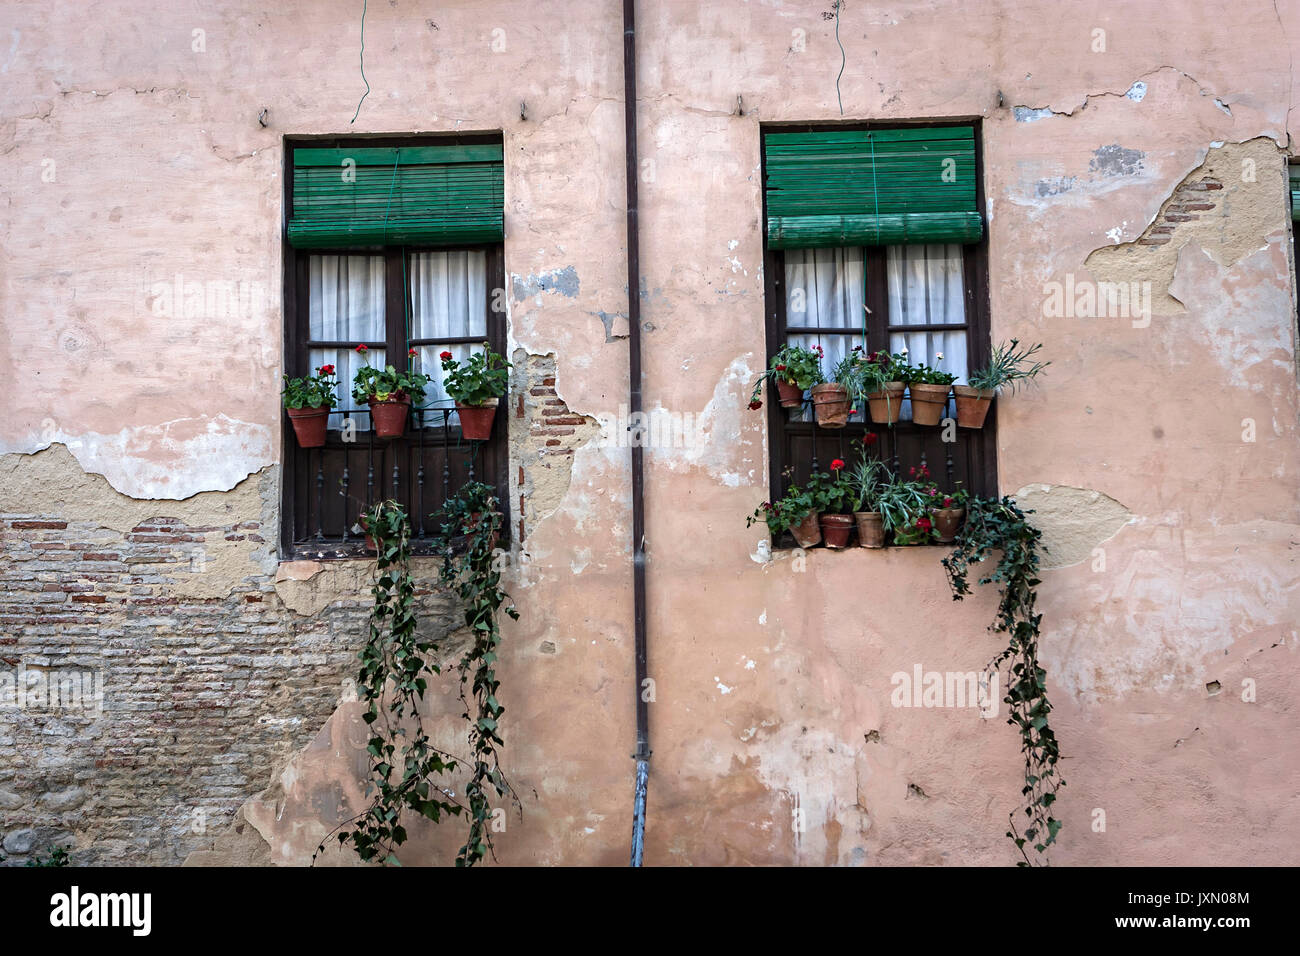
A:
(642, 754)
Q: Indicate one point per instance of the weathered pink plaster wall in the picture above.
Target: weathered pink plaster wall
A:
(131, 159)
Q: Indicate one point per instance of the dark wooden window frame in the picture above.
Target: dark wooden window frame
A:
(302, 491)
(905, 441)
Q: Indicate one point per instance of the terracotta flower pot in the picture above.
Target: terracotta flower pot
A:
(972, 405)
(871, 529)
(388, 418)
(886, 403)
(365, 527)
(791, 395)
(831, 401)
(928, 403)
(835, 530)
(946, 523)
(807, 532)
(476, 420)
(309, 425)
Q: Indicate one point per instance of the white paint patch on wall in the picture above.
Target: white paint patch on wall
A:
(218, 453)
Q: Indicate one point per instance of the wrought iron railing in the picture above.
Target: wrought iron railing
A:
(335, 484)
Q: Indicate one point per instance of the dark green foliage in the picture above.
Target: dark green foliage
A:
(1001, 527)
(470, 526)
(395, 663)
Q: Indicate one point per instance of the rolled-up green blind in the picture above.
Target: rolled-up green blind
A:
(1295, 191)
(420, 195)
(871, 187)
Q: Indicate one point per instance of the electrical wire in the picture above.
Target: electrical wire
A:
(838, 4)
(364, 4)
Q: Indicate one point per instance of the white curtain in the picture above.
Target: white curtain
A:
(346, 304)
(925, 288)
(448, 300)
(824, 291)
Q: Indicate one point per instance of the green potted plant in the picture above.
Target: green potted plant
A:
(308, 402)
(793, 370)
(917, 523)
(389, 394)
(948, 515)
(1009, 368)
(833, 400)
(867, 478)
(884, 379)
(928, 388)
(796, 512)
(904, 510)
(834, 495)
(476, 386)
(474, 507)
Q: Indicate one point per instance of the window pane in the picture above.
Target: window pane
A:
(448, 300)
(824, 288)
(448, 294)
(925, 286)
(346, 304)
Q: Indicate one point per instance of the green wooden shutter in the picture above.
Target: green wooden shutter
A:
(415, 195)
(1295, 191)
(871, 187)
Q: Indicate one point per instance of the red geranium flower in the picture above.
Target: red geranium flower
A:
(923, 524)
(870, 438)
(327, 369)
(756, 404)
(837, 464)
(412, 352)
(780, 368)
(947, 502)
(444, 356)
(362, 349)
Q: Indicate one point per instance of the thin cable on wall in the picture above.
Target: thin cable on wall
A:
(838, 99)
(364, 4)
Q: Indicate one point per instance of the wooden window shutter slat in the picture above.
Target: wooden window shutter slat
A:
(427, 196)
(871, 187)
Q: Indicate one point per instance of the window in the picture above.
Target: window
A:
(868, 246)
(388, 246)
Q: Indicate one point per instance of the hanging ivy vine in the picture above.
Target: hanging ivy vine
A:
(396, 664)
(1001, 527)
(470, 528)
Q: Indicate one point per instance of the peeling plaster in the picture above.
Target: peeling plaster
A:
(1073, 521)
(1245, 212)
(564, 281)
(141, 461)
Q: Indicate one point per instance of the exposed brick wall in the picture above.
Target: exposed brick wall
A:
(1189, 200)
(543, 441)
(201, 695)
